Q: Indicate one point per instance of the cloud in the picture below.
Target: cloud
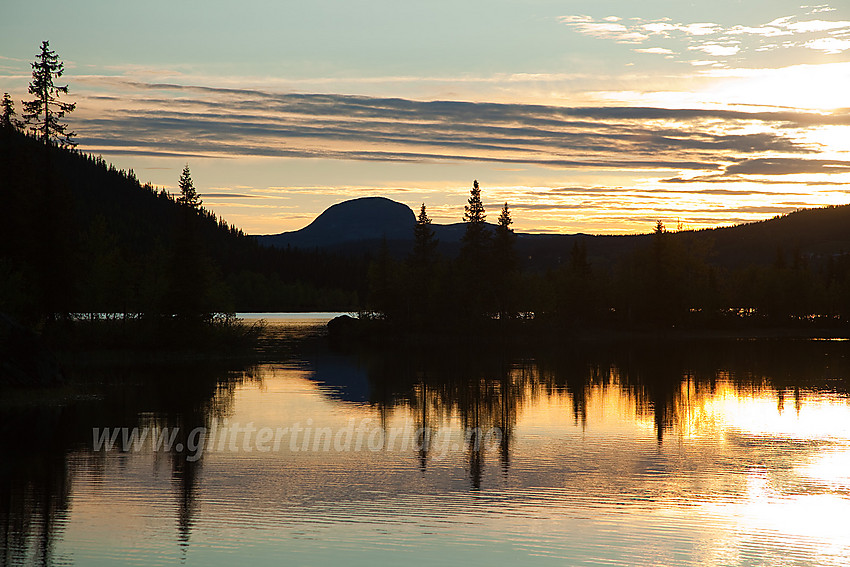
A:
(233, 196)
(712, 38)
(656, 50)
(666, 28)
(603, 29)
(716, 50)
(738, 179)
(659, 27)
(700, 29)
(817, 26)
(139, 152)
(205, 121)
(788, 166)
(640, 207)
(764, 31)
(829, 44)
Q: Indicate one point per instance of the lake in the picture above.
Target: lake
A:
(643, 453)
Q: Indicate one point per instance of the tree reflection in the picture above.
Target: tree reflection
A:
(43, 443)
(663, 381)
(34, 483)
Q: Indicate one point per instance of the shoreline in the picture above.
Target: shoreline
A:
(344, 330)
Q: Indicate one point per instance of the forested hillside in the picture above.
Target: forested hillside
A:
(80, 235)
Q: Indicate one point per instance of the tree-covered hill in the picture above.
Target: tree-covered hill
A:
(365, 225)
(80, 235)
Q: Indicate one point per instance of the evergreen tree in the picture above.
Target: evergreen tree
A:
(473, 215)
(476, 237)
(421, 273)
(7, 119)
(191, 272)
(475, 266)
(424, 243)
(659, 296)
(45, 112)
(504, 241)
(505, 265)
(188, 196)
(505, 221)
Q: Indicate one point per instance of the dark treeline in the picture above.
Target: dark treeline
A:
(665, 280)
(84, 237)
(81, 236)
(426, 291)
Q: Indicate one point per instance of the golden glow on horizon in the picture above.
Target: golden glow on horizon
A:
(383, 152)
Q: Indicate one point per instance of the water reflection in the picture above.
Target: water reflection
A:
(38, 440)
(671, 443)
(35, 482)
(667, 383)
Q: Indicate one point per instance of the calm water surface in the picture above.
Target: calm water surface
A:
(727, 453)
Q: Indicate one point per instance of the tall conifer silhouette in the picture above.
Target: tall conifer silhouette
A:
(44, 113)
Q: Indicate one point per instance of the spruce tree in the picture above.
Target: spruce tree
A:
(7, 119)
(44, 113)
(473, 215)
(505, 265)
(43, 116)
(475, 266)
(190, 292)
(504, 242)
(188, 196)
(421, 267)
(476, 237)
(424, 243)
(505, 221)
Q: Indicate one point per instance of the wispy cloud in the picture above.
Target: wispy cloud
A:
(208, 121)
(233, 196)
(656, 50)
(605, 29)
(788, 166)
(717, 40)
(716, 49)
(810, 26)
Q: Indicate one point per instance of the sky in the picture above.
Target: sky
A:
(596, 117)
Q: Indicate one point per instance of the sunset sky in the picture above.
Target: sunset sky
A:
(596, 117)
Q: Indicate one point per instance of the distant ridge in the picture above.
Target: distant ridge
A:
(362, 219)
(361, 225)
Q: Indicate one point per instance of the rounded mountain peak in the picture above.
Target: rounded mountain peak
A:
(365, 218)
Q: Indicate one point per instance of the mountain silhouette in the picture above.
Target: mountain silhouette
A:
(357, 220)
(365, 224)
